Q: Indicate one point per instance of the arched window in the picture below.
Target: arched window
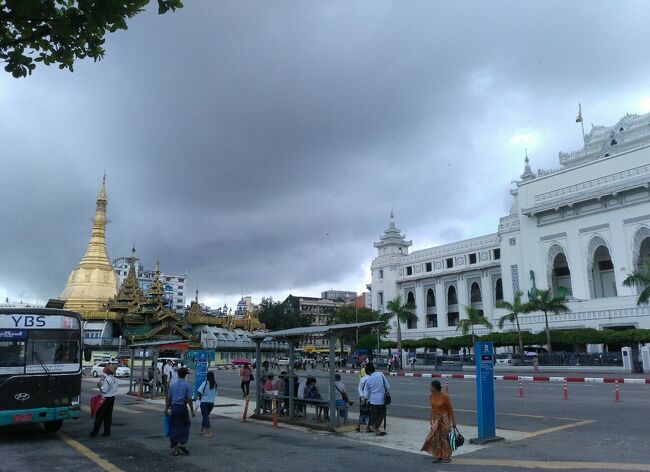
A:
(410, 299)
(452, 297)
(498, 290)
(603, 281)
(431, 298)
(641, 248)
(475, 293)
(559, 275)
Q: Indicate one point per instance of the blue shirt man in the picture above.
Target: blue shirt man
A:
(180, 393)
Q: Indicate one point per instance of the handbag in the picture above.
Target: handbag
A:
(166, 425)
(96, 403)
(387, 398)
(344, 395)
(456, 439)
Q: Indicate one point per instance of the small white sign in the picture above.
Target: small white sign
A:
(52, 368)
(27, 321)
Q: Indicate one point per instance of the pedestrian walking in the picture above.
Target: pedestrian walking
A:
(246, 375)
(107, 389)
(442, 422)
(376, 391)
(207, 393)
(178, 399)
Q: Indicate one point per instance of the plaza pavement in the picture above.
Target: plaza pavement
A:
(592, 439)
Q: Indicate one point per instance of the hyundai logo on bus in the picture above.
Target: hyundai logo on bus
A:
(22, 397)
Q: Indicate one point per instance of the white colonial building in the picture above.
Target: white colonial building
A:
(583, 226)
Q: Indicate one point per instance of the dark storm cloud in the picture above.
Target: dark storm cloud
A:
(261, 145)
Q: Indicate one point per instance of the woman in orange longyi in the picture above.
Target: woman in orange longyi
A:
(442, 421)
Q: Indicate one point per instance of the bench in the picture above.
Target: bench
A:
(321, 406)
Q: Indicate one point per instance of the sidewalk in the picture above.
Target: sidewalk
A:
(404, 434)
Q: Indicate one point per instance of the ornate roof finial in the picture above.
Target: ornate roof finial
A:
(391, 214)
(133, 249)
(101, 197)
(528, 173)
(196, 298)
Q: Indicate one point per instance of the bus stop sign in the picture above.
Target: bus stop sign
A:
(484, 356)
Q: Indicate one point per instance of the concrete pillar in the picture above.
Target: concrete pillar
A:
(332, 386)
(258, 380)
(441, 305)
(420, 305)
(463, 296)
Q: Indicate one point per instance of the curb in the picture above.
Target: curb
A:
(533, 378)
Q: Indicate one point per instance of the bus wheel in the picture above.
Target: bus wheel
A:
(53, 426)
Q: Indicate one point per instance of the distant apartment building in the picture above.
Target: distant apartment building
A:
(175, 284)
(320, 310)
(343, 295)
(363, 301)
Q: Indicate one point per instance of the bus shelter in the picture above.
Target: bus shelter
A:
(145, 386)
(292, 336)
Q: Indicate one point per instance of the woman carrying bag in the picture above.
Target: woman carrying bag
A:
(443, 422)
(107, 389)
(207, 394)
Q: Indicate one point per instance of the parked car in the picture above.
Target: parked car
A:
(283, 361)
(120, 371)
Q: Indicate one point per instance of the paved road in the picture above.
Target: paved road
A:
(589, 427)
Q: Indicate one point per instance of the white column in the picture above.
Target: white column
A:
(487, 295)
(441, 305)
(420, 305)
(463, 296)
(621, 252)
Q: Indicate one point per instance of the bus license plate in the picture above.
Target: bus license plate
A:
(22, 418)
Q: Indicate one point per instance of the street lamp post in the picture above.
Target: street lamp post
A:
(356, 320)
(119, 347)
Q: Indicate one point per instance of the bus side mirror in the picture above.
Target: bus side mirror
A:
(88, 354)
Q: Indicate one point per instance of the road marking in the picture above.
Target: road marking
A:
(83, 450)
(115, 407)
(555, 465)
(560, 428)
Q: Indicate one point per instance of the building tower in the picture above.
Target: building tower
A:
(392, 246)
(93, 282)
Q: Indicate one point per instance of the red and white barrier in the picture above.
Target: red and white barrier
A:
(531, 378)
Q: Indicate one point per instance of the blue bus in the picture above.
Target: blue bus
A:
(40, 366)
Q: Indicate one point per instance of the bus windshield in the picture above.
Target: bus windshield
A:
(53, 351)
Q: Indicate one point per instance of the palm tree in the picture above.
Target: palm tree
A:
(515, 308)
(403, 313)
(642, 279)
(547, 303)
(474, 317)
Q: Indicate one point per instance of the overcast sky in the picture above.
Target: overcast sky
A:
(260, 146)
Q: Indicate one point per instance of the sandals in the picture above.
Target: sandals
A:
(184, 450)
(446, 460)
(437, 459)
(383, 433)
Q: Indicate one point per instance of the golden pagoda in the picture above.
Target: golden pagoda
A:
(93, 282)
(195, 314)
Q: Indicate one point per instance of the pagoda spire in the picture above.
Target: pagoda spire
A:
(93, 282)
(528, 173)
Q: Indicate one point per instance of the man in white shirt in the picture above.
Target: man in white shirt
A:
(170, 375)
(375, 389)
